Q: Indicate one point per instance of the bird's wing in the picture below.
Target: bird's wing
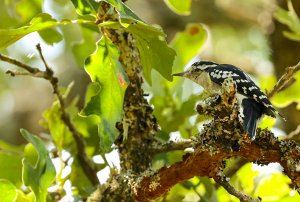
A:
(244, 84)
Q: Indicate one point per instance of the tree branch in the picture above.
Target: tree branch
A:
(28, 68)
(230, 189)
(222, 139)
(48, 74)
(206, 160)
(285, 80)
(292, 135)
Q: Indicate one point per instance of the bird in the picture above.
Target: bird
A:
(251, 99)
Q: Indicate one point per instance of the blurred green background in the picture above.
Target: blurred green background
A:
(255, 35)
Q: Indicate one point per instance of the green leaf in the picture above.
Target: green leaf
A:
(292, 36)
(194, 37)
(267, 122)
(123, 10)
(88, 127)
(22, 197)
(80, 181)
(170, 108)
(8, 191)
(177, 193)
(154, 51)
(38, 23)
(151, 43)
(107, 92)
(180, 7)
(39, 176)
(11, 167)
(50, 36)
(60, 133)
(11, 148)
(291, 19)
(84, 47)
(172, 114)
(62, 137)
(273, 187)
(244, 178)
(27, 9)
(84, 7)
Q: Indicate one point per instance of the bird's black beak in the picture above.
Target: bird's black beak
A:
(180, 74)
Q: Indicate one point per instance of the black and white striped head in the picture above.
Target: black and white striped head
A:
(196, 69)
(202, 65)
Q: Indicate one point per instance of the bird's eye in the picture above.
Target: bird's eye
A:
(194, 69)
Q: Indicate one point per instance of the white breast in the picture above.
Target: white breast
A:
(204, 80)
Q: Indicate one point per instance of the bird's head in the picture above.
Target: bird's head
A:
(196, 69)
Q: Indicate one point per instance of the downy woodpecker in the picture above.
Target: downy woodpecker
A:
(252, 101)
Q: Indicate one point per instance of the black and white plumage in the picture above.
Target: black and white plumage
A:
(253, 102)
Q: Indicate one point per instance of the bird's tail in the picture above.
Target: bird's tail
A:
(252, 111)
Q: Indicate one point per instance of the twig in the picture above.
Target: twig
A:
(284, 81)
(84, 161)
(230, 189)
(48, 69)
(28, 68)
(293, 134)
(48, 74)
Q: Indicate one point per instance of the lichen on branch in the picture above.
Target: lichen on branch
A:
(222, 139)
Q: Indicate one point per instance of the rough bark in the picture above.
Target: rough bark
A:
(138, 125)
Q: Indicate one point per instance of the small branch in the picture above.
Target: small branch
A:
(28, 68)
(84, 161)
(206, 159)
(48, 74)
(48, 69)
(230, 189)
(17, 73)
(293, 134)
(284, 81)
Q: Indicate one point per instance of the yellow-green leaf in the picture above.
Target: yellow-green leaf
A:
(38, 23)
(84, 7)
(8, 191)
(154, 50)
(40, 175)
(180, 7)
(107, 92)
